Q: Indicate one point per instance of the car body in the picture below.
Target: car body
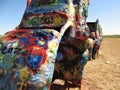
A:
(29, 52)
(96, 36)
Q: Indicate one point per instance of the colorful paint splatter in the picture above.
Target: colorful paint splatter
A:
(49, 44)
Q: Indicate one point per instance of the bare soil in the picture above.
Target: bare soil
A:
(103, 73)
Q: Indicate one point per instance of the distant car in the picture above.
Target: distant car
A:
(97, 37)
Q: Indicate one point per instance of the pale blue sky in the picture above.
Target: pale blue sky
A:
(107, 11)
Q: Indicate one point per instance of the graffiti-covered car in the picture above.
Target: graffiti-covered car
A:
(96, 36)
(48, 29)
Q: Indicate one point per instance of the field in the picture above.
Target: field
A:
(104, 72)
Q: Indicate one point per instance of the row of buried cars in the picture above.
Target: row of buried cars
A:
(49, 48)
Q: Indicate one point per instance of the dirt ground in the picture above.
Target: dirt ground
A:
(103, 73)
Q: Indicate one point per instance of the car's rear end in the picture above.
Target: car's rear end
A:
(28, 53)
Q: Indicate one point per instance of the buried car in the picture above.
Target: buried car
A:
(96, 36)
(50, 33)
